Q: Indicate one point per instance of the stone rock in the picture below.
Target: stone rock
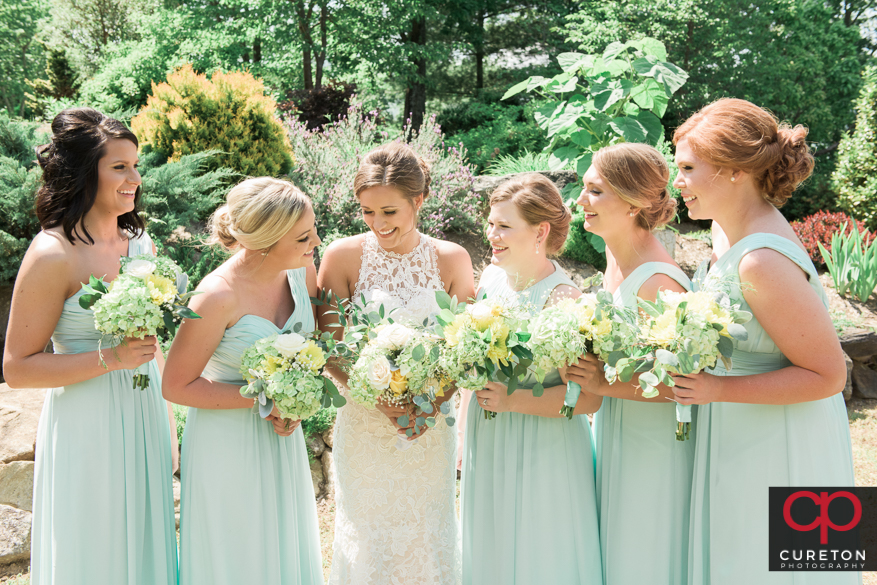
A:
(668, 240)
(177, 519)
(327, 436)
(177, 488)
(485, 185)
(14, 535)
(19, 416)
(329, 473)
(859, 344)
(317, 477)
(316, 445)
(16, 484)
(864, 380)
(848, 388)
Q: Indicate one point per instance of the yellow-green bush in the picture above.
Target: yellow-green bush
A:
(228, 112)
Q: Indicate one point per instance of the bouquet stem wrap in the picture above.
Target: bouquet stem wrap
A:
(573, 390)
(141, 376)
(683, 420)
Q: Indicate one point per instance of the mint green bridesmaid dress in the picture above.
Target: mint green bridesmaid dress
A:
(742, 449)
(528, 508)
(247, 507)
(643, 474)
(103, 507)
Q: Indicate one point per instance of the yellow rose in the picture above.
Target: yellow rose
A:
(398, 383)
(663, 329)
(161, 290)
(271, 364)
(312, 356)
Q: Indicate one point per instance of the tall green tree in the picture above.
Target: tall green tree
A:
(21, 54)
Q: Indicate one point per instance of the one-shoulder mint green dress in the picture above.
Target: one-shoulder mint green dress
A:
(643, 474)
(247, 507)
(528, 507)
(103, 507)
(743, 449)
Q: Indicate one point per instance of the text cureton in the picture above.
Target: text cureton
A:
(821, 555)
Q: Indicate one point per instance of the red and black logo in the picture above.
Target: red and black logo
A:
(823, 529)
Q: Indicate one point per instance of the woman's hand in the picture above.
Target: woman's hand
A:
(282, 426)
(699, 388)
(132, 352)
(494, 397)
(587, 372)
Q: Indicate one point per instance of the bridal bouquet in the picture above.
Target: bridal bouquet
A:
(561, 333)
(286, 370)
(149, 295)
(681, 333)
(484, 341)
(400, 366)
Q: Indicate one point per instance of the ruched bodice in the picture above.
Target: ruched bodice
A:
(224, 365)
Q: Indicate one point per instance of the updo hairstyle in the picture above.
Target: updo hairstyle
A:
(538, 200)
(70, 172)
(639, 175)
(257, 214)
(394, 165)
(737, 134)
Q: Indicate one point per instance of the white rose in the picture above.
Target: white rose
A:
(480, 311)
(140, 268)
(289, 344)
(393, 337)
(379, 374)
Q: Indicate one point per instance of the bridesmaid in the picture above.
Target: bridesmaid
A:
(103, 509)
(248, 513)
(527, 497)
(777, 418)
(643, 472)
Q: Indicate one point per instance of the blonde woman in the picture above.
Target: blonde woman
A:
(395, 519)
(247, 513)
(643, 472)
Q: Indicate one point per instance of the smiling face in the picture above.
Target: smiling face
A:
(604, 211)
(297, 246)
(701, 184)
(117, 178)
(512, 239)
(391, 216)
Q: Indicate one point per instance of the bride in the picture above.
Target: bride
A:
(395, 521)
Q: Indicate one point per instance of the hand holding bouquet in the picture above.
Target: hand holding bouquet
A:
(484, 341)
(681, 333)
(286, 370)
(399, 365)
(149, 295)
(560, 334)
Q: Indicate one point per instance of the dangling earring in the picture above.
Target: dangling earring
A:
(537, 245)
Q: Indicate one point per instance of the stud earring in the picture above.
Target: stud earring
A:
(632, 213)
(733, 179)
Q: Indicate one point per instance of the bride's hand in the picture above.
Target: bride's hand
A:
(393, 412)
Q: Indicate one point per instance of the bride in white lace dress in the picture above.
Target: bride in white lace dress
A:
(395, 514)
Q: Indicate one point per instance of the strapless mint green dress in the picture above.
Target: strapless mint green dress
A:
(643, 474)
(103, 507)
(247, 507)
(743, 449)
(527, 501)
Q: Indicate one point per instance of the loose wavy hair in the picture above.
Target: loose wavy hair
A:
(70, 172)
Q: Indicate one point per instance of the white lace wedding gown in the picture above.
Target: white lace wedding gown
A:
(395, 513)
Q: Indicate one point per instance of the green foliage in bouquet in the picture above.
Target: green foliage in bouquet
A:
(229, 113)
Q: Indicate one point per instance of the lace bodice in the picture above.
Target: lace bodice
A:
(395, 520)
(404, 283)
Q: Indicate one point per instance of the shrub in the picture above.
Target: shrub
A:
(321, 105)
(852, 263)
(820, 228)
(327, 161)
(181, 413)
(524, 163)
(855, 178)
(228, 112)
(580, 244)
(320, 422)
(18, 139)
(18, 222)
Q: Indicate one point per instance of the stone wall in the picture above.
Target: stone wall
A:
(860, 353)
(322, 467)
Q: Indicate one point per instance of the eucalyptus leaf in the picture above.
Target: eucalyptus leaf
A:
(427, 407)
(538, 389)
(418, 353)
(403, 420)
(450, 421)
(666, 357)
(648, 378)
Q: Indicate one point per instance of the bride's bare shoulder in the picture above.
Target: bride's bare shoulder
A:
(344, 249)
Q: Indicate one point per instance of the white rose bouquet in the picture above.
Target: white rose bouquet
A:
(484, 341)
(400, 365)
(286, 370)
(148, 296)
(563, 332)
(681, 333)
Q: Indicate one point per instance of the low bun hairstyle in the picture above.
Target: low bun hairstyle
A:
(737, 134)
(537, 200)
(639, 175)
(258, 212)
(70, 172)
(394, 165)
